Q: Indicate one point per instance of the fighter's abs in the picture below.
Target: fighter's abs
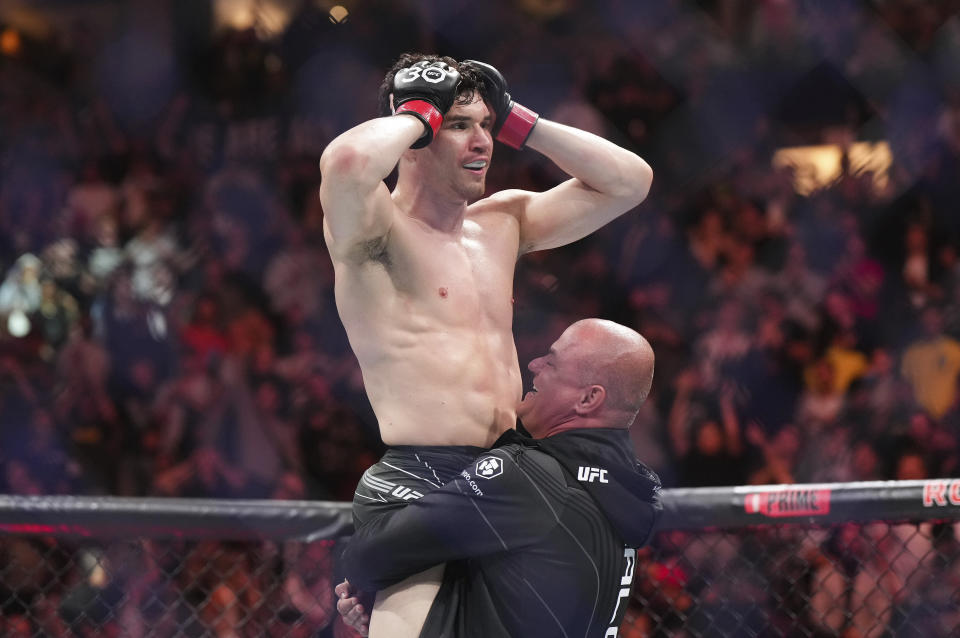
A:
(432, 330)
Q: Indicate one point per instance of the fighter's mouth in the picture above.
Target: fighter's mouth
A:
(479, 165)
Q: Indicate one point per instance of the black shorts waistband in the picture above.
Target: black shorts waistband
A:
(442, 461)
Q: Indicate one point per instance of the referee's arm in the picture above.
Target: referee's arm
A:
(466, 518)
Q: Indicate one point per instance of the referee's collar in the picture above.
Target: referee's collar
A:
(518, 435)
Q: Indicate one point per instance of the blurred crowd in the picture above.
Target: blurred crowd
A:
(167, 323)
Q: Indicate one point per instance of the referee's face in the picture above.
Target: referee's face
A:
(556, 388)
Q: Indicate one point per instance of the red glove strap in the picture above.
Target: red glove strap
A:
(516, 128)
(425, 111)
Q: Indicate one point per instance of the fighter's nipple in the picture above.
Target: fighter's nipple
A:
(443, 292)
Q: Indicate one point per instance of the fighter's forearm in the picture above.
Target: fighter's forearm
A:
(368, 152)
(598, 163)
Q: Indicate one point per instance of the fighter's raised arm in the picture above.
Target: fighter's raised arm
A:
(356, 202)
(607, 180)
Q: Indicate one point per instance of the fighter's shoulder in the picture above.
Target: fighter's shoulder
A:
(511, 202)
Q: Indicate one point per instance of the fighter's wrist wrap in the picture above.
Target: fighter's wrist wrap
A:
(427, 113)
(517, 127)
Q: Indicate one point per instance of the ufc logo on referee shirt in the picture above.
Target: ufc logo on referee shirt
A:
(591, 474)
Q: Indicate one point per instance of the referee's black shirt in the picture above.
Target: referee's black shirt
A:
(539, 538)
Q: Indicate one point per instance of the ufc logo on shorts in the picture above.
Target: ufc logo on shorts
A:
(405, 493)
(591, 474)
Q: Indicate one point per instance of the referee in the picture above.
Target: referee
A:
(539, 536)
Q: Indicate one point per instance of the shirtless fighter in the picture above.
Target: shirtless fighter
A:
(424, 275)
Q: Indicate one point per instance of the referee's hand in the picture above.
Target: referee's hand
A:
(351, 610)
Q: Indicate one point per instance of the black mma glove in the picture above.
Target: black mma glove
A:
(425, 90)
(514, 122)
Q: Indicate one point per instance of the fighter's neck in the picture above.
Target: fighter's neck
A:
(440, 212)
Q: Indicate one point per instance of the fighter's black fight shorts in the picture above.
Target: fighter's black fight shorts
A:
(406, 473)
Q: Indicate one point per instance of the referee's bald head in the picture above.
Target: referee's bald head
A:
(595, 375)
(617, 358)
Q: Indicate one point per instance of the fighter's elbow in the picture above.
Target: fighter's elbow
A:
(629, 182)
(343, 161)
(637, 181)
(339, 158)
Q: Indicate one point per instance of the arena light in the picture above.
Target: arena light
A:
(272, 18)
(10, 42)
(817, 167)
(233, 14)
(339, 14)
(267, 17)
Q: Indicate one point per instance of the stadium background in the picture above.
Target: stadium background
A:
(166, 309)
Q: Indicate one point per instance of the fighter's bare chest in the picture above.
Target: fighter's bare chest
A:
(458, 272)
(461, 277)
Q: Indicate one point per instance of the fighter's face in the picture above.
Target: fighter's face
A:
(557, 386)
(461, 151)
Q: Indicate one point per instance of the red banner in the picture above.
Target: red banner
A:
(788, 502)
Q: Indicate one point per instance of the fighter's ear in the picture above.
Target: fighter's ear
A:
(591, 399)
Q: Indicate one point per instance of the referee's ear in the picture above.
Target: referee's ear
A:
(590, 400)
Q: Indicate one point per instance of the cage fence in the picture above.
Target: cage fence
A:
(862, 559)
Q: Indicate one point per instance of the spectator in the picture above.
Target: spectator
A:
(931, 365)
(876, 587)
(297, 276)
(21, 294)
(721, 348)
(780, 455)
(152, 254)
(738, 276)
(833, 563)
(205, 474)
(89, 199)
(204, 334)
(916, 266)
(799, 286)
(248, 331)
(106, 255)
(705, 437)
(55, 315)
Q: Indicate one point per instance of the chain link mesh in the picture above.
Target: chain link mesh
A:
(149, 588)
(852, 580)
